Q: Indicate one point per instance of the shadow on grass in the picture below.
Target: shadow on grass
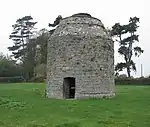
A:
(73, 124)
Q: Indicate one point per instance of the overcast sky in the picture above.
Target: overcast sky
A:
(108, 11)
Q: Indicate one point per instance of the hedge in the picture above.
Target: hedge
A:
(134, 81)
(14, 79)
(118, 81)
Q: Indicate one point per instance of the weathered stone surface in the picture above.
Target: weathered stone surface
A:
(81, 48)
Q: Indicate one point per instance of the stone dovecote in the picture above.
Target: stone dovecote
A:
(80, 61)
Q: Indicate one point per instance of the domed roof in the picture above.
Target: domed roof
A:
(81, 24)
(81, 15)
(81, 18)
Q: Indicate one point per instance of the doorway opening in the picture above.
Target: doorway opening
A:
(69, 87)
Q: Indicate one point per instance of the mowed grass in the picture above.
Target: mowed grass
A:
(24, 105)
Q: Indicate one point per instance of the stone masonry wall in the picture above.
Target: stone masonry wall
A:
(81, 48)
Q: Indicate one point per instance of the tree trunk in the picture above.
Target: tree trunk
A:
(128, 71)
(127, 65)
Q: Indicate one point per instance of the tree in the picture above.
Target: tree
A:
(41, 46)
(2, 57)
(22, 31)
(30, 62)
(127, 37)
(37, 52)
(56, 22)
(8, 67)
(41, 49)
(40, 70)
(21, 37)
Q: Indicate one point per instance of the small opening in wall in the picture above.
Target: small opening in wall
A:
(78, 63)
(69, 87)
(100, 69)
(92, 59)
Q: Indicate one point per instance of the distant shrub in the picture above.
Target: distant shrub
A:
(122, 76)
(40, 70)
(37, 79)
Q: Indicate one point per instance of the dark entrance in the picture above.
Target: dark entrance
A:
(69, 87)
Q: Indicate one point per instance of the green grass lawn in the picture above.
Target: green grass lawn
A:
(24, 105)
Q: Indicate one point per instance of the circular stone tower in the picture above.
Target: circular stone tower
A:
(80, 60)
